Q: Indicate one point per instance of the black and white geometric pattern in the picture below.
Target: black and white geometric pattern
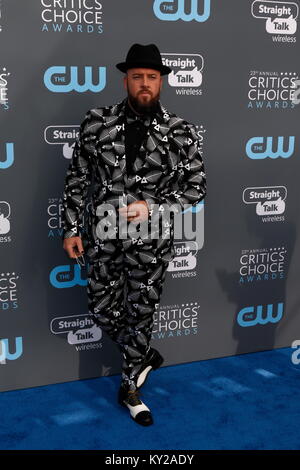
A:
(126, 276)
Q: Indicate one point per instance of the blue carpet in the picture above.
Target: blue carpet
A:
(250, 401)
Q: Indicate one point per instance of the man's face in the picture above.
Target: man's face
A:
(143, 86)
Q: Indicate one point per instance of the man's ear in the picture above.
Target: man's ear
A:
(125, 81)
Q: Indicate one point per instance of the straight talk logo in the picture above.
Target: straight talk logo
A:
(280, 19)
(187, 72)
(269, 202)
(81, 331)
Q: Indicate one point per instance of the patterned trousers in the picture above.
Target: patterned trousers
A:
(125, 282)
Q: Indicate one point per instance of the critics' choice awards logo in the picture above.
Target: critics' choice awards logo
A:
(185, 10)
(271, 90)
(262, 264)
(80, 330)
(61, 79)
(187, 72)
(280, 18)
(4, 76)
(7, 156)
(260, 314)
(269, 202)
(72, 16)
(171, 321)
(8, 291)
(10, 349)
(54, 216)
(258, 148)
(54, 213)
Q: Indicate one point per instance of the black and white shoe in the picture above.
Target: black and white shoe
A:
(152, 361)
(139, 412)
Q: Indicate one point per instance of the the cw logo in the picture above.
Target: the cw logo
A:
(64, 280)
(173, 10)
(249, 316)
(60, 85)
(5, 352)
(9, 157)
(262, 147)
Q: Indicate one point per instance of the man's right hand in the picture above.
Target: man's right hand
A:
(73, 246)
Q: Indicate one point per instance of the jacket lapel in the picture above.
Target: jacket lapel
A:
(157, 137)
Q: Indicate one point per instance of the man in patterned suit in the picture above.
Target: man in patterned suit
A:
(147, 167)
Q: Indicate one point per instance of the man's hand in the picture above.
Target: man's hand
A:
(73, 246)
(135, 212)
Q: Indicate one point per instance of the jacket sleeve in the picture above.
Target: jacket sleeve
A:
(191, 181)
(76, 185)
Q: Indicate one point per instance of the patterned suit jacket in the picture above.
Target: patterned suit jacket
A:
(169, 168)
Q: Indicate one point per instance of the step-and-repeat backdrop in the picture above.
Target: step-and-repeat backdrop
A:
(234, 286)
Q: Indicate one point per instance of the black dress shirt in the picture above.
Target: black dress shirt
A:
(135, 133)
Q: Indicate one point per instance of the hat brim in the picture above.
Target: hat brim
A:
(124, 66)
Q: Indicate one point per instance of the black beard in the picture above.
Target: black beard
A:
(148, 108)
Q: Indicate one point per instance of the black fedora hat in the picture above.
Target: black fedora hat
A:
(147, 56)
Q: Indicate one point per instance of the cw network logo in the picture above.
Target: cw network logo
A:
(57, 79)
(251, 316)
(173, 10)
(5, 353)
(66, 276)
(258, 148)
(9, 156)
